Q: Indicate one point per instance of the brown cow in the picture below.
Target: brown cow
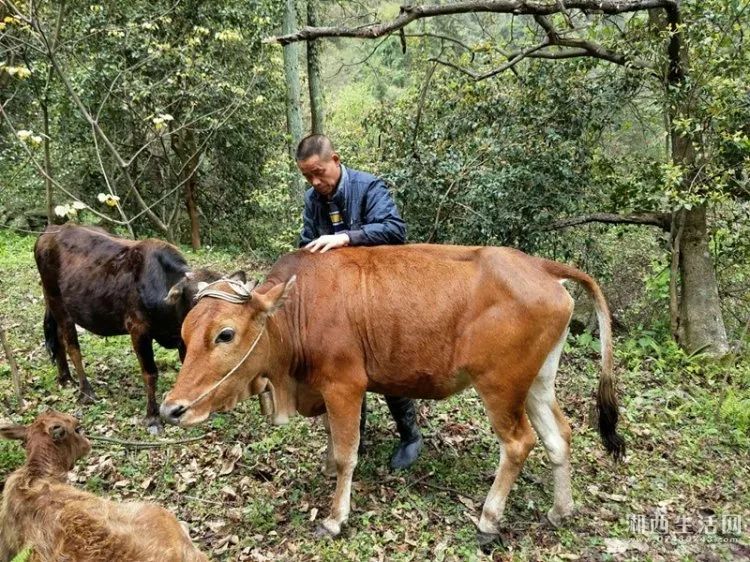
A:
(112, 286)
(59, 522)
(441, 317)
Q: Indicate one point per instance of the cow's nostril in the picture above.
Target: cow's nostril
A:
(178, 410)
(173, 413)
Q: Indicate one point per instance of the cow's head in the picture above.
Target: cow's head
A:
(181, 295)
(218, 335)
(53, 442)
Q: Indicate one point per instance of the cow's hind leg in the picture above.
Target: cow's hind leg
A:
(343, 406)
(554, 431)
(143, 346)
(70, 337)
(505, 408)
(63, 369)
(55, 344)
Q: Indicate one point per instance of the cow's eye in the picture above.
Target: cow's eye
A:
(79, 429)
(225, 336)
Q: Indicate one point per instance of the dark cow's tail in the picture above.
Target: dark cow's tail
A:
(606, 397)
(51, 341)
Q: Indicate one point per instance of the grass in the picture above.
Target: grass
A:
(686, 426)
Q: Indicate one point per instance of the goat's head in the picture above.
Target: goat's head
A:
(55, 440)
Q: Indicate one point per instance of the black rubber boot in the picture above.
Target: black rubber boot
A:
(362, 423)
(405, 415)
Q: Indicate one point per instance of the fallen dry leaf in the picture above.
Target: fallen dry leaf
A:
(230, 458)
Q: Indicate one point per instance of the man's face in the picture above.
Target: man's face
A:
(321, 173)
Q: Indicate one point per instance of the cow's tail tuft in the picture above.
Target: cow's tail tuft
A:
(51, 341)
(606, 397)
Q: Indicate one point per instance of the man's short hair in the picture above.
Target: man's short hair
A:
(314, 145)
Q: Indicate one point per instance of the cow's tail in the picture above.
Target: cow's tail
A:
(51, 341)
(606, 397)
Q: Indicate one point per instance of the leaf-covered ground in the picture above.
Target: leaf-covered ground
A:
(250, 491)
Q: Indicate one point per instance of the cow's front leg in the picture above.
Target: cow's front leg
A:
(142, 344)
(343, 406)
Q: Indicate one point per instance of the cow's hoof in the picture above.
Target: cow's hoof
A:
(154, 426)
(489, 541)
(556, 518)
(329, 528)
(65, 381)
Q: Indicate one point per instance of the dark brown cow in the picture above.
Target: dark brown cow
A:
(421, 321)
(59, 522)
(111, 286)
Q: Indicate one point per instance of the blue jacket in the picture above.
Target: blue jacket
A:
(368, 210)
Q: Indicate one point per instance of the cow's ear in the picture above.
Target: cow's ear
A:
(238, 275)
(18, 432)
(250, 285)
(276, 297)
(174, 294)
(57, 431)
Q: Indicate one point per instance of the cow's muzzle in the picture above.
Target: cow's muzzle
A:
(172, 413)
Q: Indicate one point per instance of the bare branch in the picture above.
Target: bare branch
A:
(580, 47)
(516, 58)
(109, 184)
(15, 375)
(410, 13)
(443, 38)
(661, 220)
(362, 61)
(44, 174)
(145, 444)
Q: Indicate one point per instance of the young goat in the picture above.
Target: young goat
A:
(61, 523)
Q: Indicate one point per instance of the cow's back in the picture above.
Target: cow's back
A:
(99, 279)
(413, 308)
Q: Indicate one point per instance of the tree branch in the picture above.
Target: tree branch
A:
(410, 13)
(515, 58)
(661, 220)
(145, 444)
(51, 55)
(580, 47)
(443, 38)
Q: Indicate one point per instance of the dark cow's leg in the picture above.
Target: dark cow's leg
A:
(142, 344)
(70, 337)
(55, 343)
(63, 369)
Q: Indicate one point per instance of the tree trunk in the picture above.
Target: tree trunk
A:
(192, 210)
(700, 325)
(291, 75)
(47, 163)
(317, 106)
(191, 186)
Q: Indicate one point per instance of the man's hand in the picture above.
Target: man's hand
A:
(328, 242)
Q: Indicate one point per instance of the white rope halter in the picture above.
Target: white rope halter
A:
(242, 291)
(242, 294)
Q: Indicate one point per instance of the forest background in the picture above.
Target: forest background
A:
(615, 139)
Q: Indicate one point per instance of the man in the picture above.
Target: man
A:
(346, 207)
